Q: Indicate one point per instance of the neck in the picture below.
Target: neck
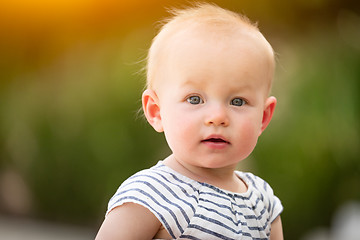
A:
(224, 178)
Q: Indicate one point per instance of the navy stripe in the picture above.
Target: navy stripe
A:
(208, 231)
(270, 207)
(265, 186)
(189, 237)
(251, 180)
(216, 222)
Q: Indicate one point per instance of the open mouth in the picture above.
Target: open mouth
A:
(215, 140)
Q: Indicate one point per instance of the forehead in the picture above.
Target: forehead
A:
(201, 54)
(216, 47)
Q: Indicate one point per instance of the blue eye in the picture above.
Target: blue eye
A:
(194, 100)
(238, 102)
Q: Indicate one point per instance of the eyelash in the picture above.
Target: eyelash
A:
(198, 100)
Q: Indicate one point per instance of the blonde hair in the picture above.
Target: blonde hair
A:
(200, 14)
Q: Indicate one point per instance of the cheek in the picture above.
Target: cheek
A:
(246, 141)
(179, 129)
(248, 132)
(178, 120)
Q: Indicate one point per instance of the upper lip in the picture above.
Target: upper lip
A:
(215, 138)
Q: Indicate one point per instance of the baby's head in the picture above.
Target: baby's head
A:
(209, 23)
(209, 75)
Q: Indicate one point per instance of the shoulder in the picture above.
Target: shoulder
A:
(158, 179)
(169, 196)
(139, 187)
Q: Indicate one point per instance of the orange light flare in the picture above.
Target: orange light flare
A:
(37, 13)
(32, 28)
(34, 14)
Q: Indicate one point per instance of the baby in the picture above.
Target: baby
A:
(209, 76)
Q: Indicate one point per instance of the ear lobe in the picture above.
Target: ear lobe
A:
(151, 107)
(269, 108)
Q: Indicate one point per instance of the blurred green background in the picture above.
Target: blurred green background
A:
(70, 89)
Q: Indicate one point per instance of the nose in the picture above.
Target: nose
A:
(217, 116)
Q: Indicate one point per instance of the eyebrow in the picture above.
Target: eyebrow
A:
(190, 82)
(236, 87)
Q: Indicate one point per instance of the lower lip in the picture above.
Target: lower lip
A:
(216, 145)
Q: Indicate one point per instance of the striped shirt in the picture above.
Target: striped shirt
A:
(193, 210)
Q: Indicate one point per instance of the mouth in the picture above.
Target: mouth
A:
(215, 140)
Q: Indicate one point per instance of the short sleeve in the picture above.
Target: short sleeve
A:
(149, 189)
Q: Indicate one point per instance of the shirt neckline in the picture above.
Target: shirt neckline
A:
(240, 174)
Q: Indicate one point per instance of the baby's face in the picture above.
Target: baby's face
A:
(212, 95)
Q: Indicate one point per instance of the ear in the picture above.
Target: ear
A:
(151, 107)
(269, 108)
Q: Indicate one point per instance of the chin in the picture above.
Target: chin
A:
(218, 164)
